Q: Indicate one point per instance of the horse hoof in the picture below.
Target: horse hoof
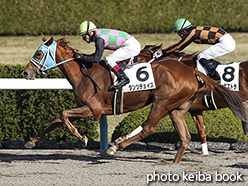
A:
(29, 145)
(112, 150)
(84, 142)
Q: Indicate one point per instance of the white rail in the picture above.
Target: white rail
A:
(62, 83)
(22, 83)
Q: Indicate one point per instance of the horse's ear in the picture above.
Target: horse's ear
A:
(49, 42)
(43, 37)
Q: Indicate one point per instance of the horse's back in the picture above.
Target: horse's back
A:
(176, 68)
(174, 75)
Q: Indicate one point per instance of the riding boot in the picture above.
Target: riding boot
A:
(212, 73)
(123, 79)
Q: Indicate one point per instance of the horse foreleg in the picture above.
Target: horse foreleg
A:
(146, 129)
(178, 119)
(56, 123)
(81, 112)
(200, 124)
(129, 135)
(74, 114)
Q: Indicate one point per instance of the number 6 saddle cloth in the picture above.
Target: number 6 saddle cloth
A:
(141, 79)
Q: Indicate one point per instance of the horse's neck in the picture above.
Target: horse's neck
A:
(144, 57)
(189, 62)
(70, 69)
(70, 73)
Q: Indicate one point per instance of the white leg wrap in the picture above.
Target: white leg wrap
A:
(136, 131)
(204, 149)
(118, 140)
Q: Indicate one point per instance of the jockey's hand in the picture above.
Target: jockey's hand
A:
(77, 56)
(157, 54)
(164, 53)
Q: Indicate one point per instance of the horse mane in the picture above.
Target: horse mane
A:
(62, 42)
(150, 49)
(183, 54)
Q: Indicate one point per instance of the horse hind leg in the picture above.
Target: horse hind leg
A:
(245, 127)
(200, 125)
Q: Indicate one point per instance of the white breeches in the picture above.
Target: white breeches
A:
(131, 49)
(226, 45)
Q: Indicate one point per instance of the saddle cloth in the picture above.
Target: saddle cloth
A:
(141, 77)
(229, 73)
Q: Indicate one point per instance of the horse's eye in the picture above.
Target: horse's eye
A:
(38, 54)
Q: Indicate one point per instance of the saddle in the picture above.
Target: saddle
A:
(134, 70)
(118, 98)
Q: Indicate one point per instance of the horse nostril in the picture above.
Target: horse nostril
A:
(24, 73)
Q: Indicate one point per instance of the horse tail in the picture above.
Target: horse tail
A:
(233, 99)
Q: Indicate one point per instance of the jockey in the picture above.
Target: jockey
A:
(124, 45)
(222, 43)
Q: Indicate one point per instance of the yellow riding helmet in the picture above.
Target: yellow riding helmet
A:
(85, 27)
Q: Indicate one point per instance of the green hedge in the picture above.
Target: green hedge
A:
(139, 16)
(221, 125)
(25, 113)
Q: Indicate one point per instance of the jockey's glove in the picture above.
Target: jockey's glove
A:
(77, 56)
(164, 53)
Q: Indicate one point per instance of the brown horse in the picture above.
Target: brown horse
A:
(176, 88)
(198, 106)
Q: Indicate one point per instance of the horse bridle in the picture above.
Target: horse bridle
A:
(44, 63)
(47, 62)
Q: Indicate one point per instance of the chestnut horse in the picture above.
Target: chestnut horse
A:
(198, 107)
(176, 88)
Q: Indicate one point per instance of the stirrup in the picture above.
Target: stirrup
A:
(215, 76)
(121, 83)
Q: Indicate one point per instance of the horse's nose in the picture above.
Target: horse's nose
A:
(25, 74)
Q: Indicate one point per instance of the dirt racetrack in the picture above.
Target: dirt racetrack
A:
(136, 167)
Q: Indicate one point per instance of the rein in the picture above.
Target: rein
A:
(57, 64)
(91, 77)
